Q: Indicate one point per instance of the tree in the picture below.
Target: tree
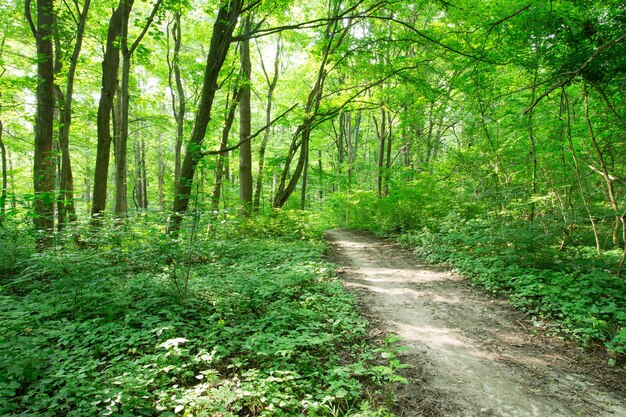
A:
(271, 86)
(178, 93)
(227, 17)
(110, 67)
(121, 146)
(65, 206)
(43, 171)
(245, 124)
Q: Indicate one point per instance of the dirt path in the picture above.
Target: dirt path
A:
(472, 356)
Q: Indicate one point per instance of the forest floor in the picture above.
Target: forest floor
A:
(470, 354)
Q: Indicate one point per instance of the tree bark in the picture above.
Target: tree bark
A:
(5, 179)
(381, 132)
(110, 66)
(271, 86)
(388, 155)
(245, 126)
(65, 205)
(305, 177)
(178, 94)
(139, 190)
(605, 172)
(43, 174)
(160, 171)
(121, 172)
(225, 22)
(222, 158)
(285, 189)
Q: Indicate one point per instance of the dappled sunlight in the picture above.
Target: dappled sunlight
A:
(412, 294)
(379, 274)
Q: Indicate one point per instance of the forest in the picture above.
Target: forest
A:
(169, 168)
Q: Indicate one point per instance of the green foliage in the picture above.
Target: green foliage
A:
(263, 328)
(412, 205)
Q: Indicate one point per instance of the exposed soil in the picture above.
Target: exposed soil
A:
(471, 355)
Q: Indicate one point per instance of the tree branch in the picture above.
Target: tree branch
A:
(249, 138)
(29, 17)
(572, 74)
(135, 44)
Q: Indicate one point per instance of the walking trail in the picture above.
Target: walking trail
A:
(470, 355)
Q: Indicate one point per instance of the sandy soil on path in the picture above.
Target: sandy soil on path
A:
(471, 355)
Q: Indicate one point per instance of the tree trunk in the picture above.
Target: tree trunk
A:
(305, 175)
(144, 174)
(178, 94)
(110, 66)
(121, 145)
(43, 174)
(222, 158)
(565, 104)
(5, 179)
(121, 171)
(381, 132)
(220, 42)
(271, 86)
(388, 156)
(160, 171)
(138, 178)
(604, 170)
(66, 208)
(245, 126)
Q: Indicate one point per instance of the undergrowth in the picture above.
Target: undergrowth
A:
(237, 321)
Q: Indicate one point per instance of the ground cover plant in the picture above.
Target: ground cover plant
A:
(226, 325)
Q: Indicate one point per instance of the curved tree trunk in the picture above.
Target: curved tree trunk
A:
(221, 38)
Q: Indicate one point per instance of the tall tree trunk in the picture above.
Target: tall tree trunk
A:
(121, 174)
(144, 174)
(568, 130)
(245, 126)
(110, 66)
(65, 206)
(5, 179)
(160, 170)
(222, 158)
(320, 170)
(178, 93)
(220, 42)
(381, 132)
(43, 174)
(138, 179)
(121, 145)
(305, 175)
(604, 171)
(271, 86)
(533, 151)
(285, 189)
(388, 156)
(352, 149)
